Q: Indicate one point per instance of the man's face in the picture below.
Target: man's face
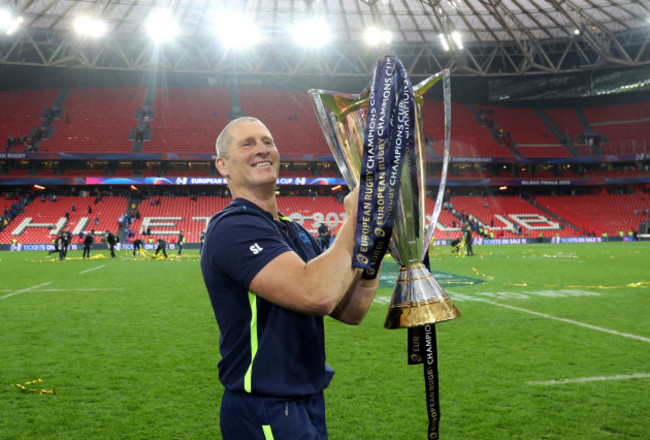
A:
(253, 158)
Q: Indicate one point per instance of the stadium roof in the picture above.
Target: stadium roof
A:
(500, 37)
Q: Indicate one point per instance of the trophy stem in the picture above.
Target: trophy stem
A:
(418, 300)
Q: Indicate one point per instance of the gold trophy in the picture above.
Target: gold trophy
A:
(417, 299)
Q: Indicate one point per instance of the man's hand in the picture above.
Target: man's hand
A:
(319, 285)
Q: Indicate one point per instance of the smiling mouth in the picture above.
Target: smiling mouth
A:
(262, 164)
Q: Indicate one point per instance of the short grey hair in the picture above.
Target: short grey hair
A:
(225, 139)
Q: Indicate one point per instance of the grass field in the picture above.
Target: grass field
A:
(553, 343)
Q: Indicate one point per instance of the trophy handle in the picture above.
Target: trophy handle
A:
(446, 87)
(334, 131)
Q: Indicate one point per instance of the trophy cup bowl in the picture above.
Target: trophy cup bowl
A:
(417, 297)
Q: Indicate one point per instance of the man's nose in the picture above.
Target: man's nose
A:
(262, 148)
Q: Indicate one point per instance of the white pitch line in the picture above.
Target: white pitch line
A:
(591, 379)
(94, 268)
(570, 321)
(70, 290)
(25, 290)
(101, 289)
(74, 290)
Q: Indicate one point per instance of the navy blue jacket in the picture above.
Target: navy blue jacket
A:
(265, 349)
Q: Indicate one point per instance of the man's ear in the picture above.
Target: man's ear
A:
(222, 166)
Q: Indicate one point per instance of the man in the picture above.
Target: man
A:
(88, 242)
(64, 243)
(456, 245)
(270, 287)
(467, 238)
(55, 242)
(162, 246)
(324, 234)
(181, 240)
(111, 240)
(137, 246)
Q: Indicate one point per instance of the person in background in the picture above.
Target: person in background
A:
(55, 242)
(111, 240)
(467, 238)
(324, 235)
(137, 246)
(162, 246)
(88, 242)
(181, 240)
(64, 243)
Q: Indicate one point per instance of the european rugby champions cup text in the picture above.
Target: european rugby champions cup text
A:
(388, 138)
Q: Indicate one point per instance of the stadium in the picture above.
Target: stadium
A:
(110, 120)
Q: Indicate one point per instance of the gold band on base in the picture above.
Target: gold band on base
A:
(418, 300)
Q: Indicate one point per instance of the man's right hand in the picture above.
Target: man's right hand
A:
(317, 286)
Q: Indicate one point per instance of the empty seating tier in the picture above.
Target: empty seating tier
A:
(188, 120)
(97, 120)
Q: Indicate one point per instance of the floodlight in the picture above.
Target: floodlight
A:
(445, 43)
(451, 40)
(456, 38)
(8, 22)
(5, 18)
(374, 36)
(92, 27)
(236, 30)
(311, 33)
(161, 26)
(14, 26)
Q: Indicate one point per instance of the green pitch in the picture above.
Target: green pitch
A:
(553, 343)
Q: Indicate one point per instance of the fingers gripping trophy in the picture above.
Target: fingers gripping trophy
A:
(377, 140)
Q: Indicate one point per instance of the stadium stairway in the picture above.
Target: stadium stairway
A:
(143, 131)
(556, 132)
(60, 100)
(495, 134)
(21, 112)
(48, 116)
(586, 128)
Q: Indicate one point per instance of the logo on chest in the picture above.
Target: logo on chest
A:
(256, 248)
